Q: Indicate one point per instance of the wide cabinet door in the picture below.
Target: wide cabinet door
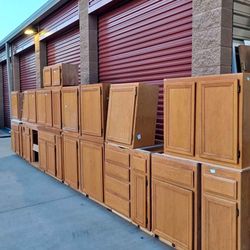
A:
(179, 117)
(42, 154)
(91, 111)
(172, 214)
(219, 224)
(41, 107)
(217, 103)
(91, 169)
(48, 108)
(121, 112)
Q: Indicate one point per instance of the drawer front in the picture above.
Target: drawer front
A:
(120, 205)
(47, 137)
(165, 172)
(117, 171)
(138, 163)
(117, 156)
(220, 186)
(117, 187)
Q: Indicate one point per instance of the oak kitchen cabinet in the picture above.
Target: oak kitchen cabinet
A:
(44, 107)
(129, 123)
(26, 143)
(225, 208)
(176, 201)
(32, 106)
(56, 107)
(215, 118)
(16, 104)
(25, 106)
(16, 142)
(70, 109)
(47, 81)
(93, 109)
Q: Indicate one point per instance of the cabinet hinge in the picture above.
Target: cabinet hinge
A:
(237, 212)
(239, 88)
(238, 154)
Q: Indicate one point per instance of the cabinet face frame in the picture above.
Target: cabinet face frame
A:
(181, 85)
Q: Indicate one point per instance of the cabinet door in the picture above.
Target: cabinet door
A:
(51, 158)
(139, 198)
(179, 117)
(16, 142)
(56, 75)
(120, 123)
(41, 108)
(27, 148)
(91, 169)
(218, 224)
(91, 110)
(14, 105)
(70, 155)
(218, 120)
(32, 106)
(42, 155)
(25, 112)
(172, 214)
(56, 109)
(48, 108)
(46, 77)
(70, 109)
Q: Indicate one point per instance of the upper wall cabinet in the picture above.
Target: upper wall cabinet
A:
(16, 103)
(47, 76)
(216, 110)
(93, 109)
(132, 114)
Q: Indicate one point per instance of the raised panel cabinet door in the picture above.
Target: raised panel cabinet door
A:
(51, 158)
(56, 75)
(172, 214)
(91, 169)
(47, 76)
(56, 109)
(139, 198)
(179, 117)
(121, 110)
(219, 224)
(70, 110)
(218, 120)
(70, 156)
(42, 154)
(40, 107)
(14, 105)
(32, 106)
(48, 108)
(91, 110)
(25, 111)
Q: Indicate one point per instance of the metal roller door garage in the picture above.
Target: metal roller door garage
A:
(6, 102)
(146, 41)
(27, 70)
(65, 48)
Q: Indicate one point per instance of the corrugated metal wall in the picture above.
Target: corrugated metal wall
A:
(65, 48)
(22, 43)
(27, 70)
(6, 102)
(146, 41)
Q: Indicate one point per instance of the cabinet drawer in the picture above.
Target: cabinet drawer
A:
(47, 137)
(119, 172)
(139, 164)
(117, 155)
(122, 206)
(117, 187)
(220, 186)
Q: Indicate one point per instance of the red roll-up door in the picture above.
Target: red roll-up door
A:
(27, 64)
(146, 41)
(6, 101)
(65, 48)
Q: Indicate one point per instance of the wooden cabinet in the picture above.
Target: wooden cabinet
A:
(176, 201)
(91, 169)
(32, 106)
(26, 143)
(15, 138)
(117, 179)
(56, 108)
(71, 160)
(93, 109)
(47, 81)
(44, 107)
(129, 123)
(16, 104)
(70, 109)
(216, 110)
(25, 106)
(225, 208)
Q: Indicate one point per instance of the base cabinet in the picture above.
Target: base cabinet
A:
(91, 169)
(175, 201)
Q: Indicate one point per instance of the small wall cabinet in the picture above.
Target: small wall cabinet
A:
(129, 123)
(32, 106)
(16, 103)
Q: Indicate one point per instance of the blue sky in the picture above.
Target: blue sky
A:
(14, 12)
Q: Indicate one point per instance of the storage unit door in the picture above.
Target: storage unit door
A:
(27, 70)
(146, 41)
(6, 101)
(65, 48)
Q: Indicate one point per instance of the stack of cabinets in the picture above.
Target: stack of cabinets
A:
(62, 74)
(16, 138)
(25, 111)
(16, 104)
(44, 107)
(129, 123)
(175, 201)
(117, 179)
(26, 143)
(32, 106)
